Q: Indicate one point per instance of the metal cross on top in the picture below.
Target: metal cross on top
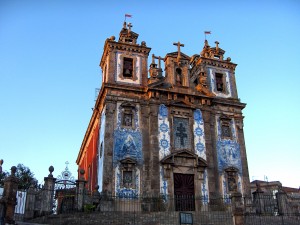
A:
(178, 46)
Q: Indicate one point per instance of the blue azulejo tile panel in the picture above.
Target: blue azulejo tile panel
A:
(228, 155)
(123, 192)
(181, 133)
(127, 144)
(204, 188)
(199, 134)
(163, 182)
(163, 132)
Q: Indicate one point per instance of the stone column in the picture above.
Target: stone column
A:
(238, 208)
(9, 196)
(80, 191)
(48, 189)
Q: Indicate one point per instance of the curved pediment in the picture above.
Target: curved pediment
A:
(128, 160)
(184, 158)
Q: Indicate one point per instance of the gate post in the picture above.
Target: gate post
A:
(30, 203)
(282, 201)
(48, 189)
(80, 191)
(258, 198)
(238, 208)
(10, 196)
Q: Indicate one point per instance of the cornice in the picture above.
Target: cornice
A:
(217, 63)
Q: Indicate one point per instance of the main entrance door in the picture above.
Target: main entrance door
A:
(184, 192)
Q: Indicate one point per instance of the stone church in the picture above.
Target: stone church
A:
(173, 128)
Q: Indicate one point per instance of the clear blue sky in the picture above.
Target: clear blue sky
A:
(50, 51)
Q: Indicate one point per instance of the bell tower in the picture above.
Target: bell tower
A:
(177, 67)
(125, 61)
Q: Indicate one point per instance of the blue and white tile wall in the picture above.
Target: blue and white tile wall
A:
(101, 148)
(163, 182)
(213, 88)
(127, 143)
(164, 143)
(200, 150)
(226, 195)
(204, 188)
(127, 192)
(163, 132)
(229, 154)
(199, 134)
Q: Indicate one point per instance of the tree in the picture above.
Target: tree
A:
(26, 177)
(3, 175)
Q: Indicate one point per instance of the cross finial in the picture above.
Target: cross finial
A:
(178, 46)
(129, 27)
(67, 163)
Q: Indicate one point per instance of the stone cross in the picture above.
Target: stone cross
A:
(178, 46)
(181, 134)
(129, 27)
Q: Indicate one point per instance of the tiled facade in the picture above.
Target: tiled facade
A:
(156, 126)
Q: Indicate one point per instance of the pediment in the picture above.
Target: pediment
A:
(176, 157)
(175, 54)
(231, 169)
(128, 160)
(183, 103)
(160, 84)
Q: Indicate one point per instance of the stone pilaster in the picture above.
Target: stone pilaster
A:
(154, 148)
(238, 208)
(80, 191)
(108, 170)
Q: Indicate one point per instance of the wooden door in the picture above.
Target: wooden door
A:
(184, 192)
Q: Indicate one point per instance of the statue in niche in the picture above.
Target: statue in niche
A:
(178, 76)
(232, 187)
(127, 119)
(203, 79)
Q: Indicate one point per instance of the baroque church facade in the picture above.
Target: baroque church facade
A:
(177, 132)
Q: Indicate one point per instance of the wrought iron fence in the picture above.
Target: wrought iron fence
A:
(167, 210)
(268, 209)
